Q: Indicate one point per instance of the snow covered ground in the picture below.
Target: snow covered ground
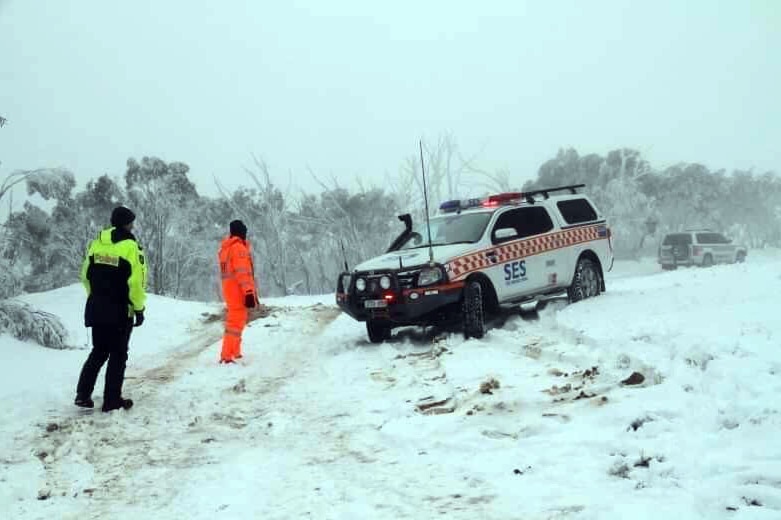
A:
(531, 422)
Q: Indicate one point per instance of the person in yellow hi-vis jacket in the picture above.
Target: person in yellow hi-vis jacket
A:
(114, 274)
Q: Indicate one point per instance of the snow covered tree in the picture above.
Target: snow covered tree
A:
(10, 274)
(12, 180)
(191, 258)
(563, 170)
(615, 184)
(364, 223)
(628, 209)
(98, 200)
(38, 251)
(17, 319)
(67, 235)
(264, 209)
(158, 191)
(447, 177)
(752, 206)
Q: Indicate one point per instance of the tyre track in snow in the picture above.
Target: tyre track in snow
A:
(99, 441)
(356, 439)
(337, 453)
(568, 365)
(544, 375)
(127, 459)
(118, 447)
(399, 383)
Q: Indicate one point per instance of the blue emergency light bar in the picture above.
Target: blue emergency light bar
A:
(450, 205)
(486, 202)
(458, 205)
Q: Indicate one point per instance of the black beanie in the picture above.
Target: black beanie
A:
(121, 216)
(238, 229)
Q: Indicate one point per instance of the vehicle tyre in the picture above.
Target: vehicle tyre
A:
(474, 311)
(378, 331)
(707, 260)
(586, 283)
(669, 267)
(741, 257)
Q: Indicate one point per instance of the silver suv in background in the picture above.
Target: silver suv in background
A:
(699, 247)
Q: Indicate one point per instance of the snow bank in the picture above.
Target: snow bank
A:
(537, 420)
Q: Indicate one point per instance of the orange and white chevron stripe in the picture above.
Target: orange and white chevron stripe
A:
(459, 268)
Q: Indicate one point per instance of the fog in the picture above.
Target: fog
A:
(347, 88)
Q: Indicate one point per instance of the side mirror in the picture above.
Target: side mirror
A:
(505, 234)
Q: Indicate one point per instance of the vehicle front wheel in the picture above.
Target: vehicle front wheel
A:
(586, 283)
(741, 257)
(378, 331)
(474, 311)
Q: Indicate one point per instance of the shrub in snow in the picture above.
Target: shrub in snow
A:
(10, 279)
(619, 469)
(25, 323)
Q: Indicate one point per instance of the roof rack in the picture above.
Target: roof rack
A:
(501, 199)
(529, 195)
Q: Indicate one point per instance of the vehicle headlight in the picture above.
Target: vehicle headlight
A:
(429, 275)
(360, 284)
(385, 282)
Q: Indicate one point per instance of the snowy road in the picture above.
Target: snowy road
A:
(531, 422)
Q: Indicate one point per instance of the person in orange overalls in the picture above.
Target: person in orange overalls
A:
(238, 288)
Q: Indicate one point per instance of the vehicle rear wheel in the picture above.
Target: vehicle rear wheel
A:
(741, 257)
(669, 267)
(378, 331)
(707, 260)
(474, 311)
(586, 283)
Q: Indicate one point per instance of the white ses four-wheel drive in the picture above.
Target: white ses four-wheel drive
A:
(501, 250)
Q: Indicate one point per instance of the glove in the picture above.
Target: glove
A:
(249, 301)
(139, 318)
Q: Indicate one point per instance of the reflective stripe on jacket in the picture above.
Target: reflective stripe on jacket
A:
(236, 270)
(114, 275)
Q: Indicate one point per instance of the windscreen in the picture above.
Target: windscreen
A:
(449, 229)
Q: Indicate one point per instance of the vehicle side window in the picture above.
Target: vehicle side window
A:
(527, 222)
(576, 211)
(711, 238)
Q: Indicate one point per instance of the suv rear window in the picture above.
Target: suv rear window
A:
(576, 211)
(677, 239)
(711, 238)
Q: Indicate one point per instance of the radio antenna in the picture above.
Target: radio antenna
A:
(344, 255)
(425, 198)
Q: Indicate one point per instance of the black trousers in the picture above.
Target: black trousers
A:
(109, 343)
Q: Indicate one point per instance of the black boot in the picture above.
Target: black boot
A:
(84, 402)
(123, 403)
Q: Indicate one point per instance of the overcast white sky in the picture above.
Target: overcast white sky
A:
(348, 87)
